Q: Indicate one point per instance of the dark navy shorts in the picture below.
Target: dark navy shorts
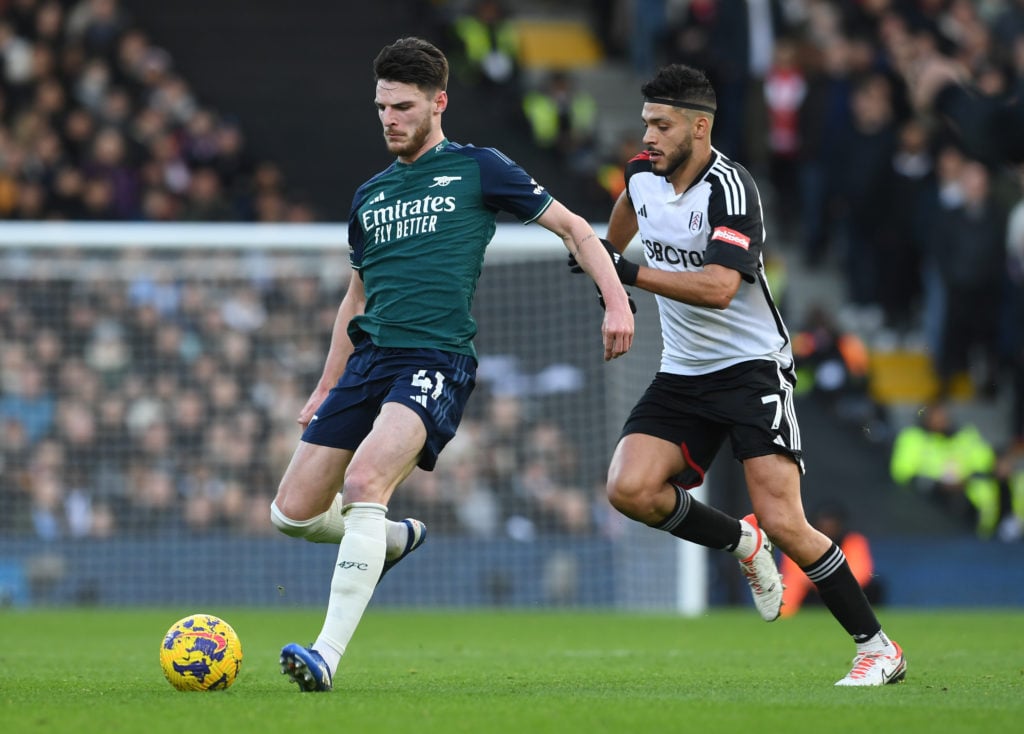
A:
(434, 383)
(750, 403)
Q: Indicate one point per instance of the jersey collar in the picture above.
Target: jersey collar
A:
(428, 155)
(715, 155)
(673, 196)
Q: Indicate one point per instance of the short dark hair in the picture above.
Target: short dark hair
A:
(683, 84)
(412, 60)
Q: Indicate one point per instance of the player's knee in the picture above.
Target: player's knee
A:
(365, 484)
(786, 530)
(286, 525)
(629, 496)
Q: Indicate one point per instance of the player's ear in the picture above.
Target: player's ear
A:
(441, 101)
(701, 126)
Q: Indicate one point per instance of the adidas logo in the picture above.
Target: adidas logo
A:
(642, 211)
(378, 197)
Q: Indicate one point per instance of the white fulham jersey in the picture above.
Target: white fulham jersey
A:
(716, 220)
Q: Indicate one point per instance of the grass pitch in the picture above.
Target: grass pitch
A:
(522, 672)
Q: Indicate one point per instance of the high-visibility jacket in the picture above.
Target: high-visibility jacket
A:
(480, 40)
(543, 114)
(964, 457)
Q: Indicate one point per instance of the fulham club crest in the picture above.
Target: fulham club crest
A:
(696, 221)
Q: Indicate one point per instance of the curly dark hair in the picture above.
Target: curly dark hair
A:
(681, 83)
(412, 60)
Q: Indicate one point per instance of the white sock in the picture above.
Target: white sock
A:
(748, 540)
(878, 643)
(360, 560)
(327, 527)
(398, 538)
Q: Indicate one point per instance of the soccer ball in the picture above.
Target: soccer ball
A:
(201, 653)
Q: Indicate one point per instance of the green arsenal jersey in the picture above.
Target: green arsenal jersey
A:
(417, 236)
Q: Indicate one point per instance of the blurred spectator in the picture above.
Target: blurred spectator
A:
(205, 200)
(108, 162)
(945, 194)
(152, 507)
(832, 521)
(159, 205)
(487, 51)
(970, 250)
(98, 199)
(950, 465)
(647, 22)
(867, 166)
(547, 500)
(425, 498)
(17, 57)
(14, 475)
(474, 504)
(784, 89)
(903, 230)
(741, 45)
(1010, 472)
(78, 129)
(26, 401)
(611, 175)
(562, 119)
(825, 131)
(66, 198)
(96, 24)
(504, 427)
(833, 366)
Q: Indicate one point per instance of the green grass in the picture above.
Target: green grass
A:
(492, 671)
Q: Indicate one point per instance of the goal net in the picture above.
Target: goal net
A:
(150, 377)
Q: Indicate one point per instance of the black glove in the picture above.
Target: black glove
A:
(575, 268)
(600, 299)
(626, 269)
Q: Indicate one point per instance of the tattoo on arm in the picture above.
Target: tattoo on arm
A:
(574, 247)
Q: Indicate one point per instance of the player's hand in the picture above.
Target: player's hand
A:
(309, 409)
(617, 333)
(627, 270)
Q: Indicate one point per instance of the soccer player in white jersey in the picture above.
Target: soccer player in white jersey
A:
(726, 368)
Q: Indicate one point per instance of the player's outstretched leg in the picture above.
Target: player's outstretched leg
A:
(306, 667)
(763, 575)
(876, 669)
(417, 533)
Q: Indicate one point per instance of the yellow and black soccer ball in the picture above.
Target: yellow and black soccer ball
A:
(201, 653)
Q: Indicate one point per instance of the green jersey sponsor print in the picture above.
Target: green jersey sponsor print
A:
(417, 236)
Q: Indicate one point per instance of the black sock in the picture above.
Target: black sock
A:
(702, 524)
(840, 592)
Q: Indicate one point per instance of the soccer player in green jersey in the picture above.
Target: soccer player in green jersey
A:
(401, 363)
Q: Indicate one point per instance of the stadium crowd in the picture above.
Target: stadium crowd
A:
(892, 133)
(136, 402)
(97, 124)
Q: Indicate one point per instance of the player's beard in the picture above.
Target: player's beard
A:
(679, 157)
(411, 144)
